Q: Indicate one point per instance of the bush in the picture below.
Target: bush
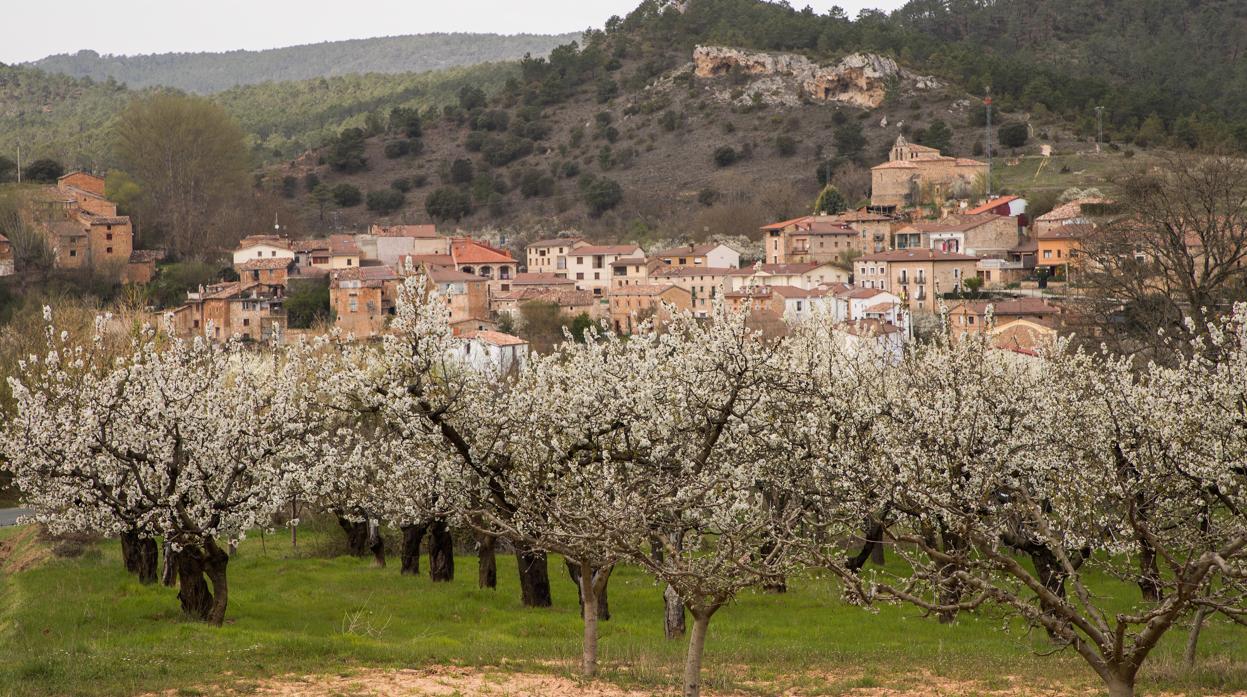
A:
(1014, 135)
(825, 171)
(489, 120)
(785, 145)
(461, 171)
(726, 156)
(830, 201)
(707, 196)
(307, 302)
(669, 121)
(500, 152)
(471, 98)
(289, 186)
(448, 203)
(347, 195)
(418, 181)
(346, 151)
(570, 169)
(406, 121)
(396, 149)
(533, 184)
(385, 201)
(601, 194)
(45, 171)
(402, 185)
(311, 181)
(607, 89)
(849, 140)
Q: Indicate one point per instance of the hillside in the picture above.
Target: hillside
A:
(214, 72)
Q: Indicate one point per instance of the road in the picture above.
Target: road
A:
(9, 516)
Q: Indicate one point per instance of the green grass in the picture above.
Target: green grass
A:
(85, 627)
(1032, 174)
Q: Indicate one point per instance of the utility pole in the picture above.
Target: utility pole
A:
(987, 102)
(1099, 119)
(19, 163)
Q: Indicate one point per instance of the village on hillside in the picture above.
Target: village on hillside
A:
(877, 270)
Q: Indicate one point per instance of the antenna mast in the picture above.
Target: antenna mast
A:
(987, 102)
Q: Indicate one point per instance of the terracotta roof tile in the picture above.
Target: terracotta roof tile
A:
(495, 338)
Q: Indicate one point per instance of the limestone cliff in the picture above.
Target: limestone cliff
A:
(859, 79)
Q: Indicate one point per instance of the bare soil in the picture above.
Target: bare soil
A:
(23, 551)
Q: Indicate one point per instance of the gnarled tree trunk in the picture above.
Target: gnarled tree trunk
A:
(696, 647)
(356, 536)
(441, 552)
(215, 563)
(140, 555)
(534, 577)
(673, 606)
(603, 604)
(376, 544)
(410, 551)
(168, 571)
(487, 561)
(193, 590)
(1149, 572)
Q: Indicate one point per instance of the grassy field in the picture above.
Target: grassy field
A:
(84, 627)
(1034, 174)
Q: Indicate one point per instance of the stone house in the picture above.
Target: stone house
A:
(704, 286)
(590, 265)
(363, 299)
(571, 302)
(631, 305)
(915, 174)
(252, 311)
(917, 276)
(497, 352)
(970, 316)
(550, 256)
(388, 243)
(141, 268)
(713, 256)
(826, 237)
(982, 235)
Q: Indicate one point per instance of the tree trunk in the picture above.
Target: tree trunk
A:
(409, 554)
(589, 613)
(696, 646)
(673, 616)
(534, 577)
(603, 603)
(441, 552)
(487, 562)
(215, 563)
(168, 572)
(1120, 687)
(140, 556)
(376, 544)
(196, 599)
(1149, 573)
(356, 536)
(779, 584)
(1192, 639)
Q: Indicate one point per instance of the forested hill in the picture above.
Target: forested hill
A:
(213, 72)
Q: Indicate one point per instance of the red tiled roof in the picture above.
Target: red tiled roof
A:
(343, 246)
(371, 275)
(917, 255)
(466, 251)
(270, 263)
(868, 327)
(994, 203)
(787, 269)
(646, 289)
(310, 245)
(495, 338)
(689, 250)
(669, 271)
(607, 249)
(439, 274)
(787, 223)
(422, 231)
(540, 279)
(794, 292)
(1016, 306)
(270, 240)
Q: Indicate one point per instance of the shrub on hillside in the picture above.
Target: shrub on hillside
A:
(785, 145)
(461, 171)
(1014, 135)
(601, 194)
(347, 195)
(501, 151)
(726, 156)
(45, 171)
(534, 184)
(447, 204)
(346, 151)
(385, 201)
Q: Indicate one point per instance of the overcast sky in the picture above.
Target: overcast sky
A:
(37, 29)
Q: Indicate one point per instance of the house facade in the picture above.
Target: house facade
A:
(590, 265)
(550, 256)
(632, 305)
(712, 256)
(917, 276)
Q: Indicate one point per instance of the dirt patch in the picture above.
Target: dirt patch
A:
(430, 682)
(448, 681)
(23, 551)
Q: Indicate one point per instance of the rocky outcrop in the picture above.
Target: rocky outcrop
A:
(859, 79)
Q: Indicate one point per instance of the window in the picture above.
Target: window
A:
(196, 324)
(504, 272)
(352, 303)
(109, 237)
(108, 250)
(349, 261)
(970, 320)
(73, 252)
(683, 261)
(259, 253)
(580, 277)
(597, 276)
(580, 260)
(1047, 254)
(922, 276)
(246, 322)
(905, 276)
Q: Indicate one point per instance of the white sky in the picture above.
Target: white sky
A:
(37, 29)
